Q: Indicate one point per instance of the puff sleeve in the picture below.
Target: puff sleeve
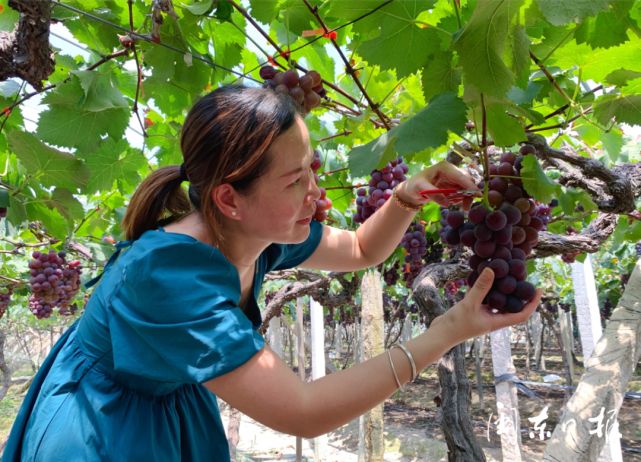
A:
(285, 256)
(174, 316)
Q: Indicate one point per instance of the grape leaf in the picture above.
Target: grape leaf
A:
(297, 17)
(480, 47)
(348, 11)
(604, 31)
(16, 212)
(504, 130)
(168, 141)
(53, 222)
(264, 11)
(61, 125)
(612, 142)
(15, 119)
(515, 53)
(107, 166)
(568, 198)
(624, 108)
(402, 45)
(620, 77)
(597, 64)
(4, 198)
(100, 251)
(199, 8)
(101, 90)
(66, 204)
(563, 12)
(9, 88)
(428, 128)
(536, 182)
(56, 168)
(9, 17)
(519, 96)
(440, 76)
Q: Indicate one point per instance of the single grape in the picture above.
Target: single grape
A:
(531, 235)
(494, 170)
(496, 299)
(496, 220)
(508, 157)
(282, 89)
(516, 267)
(506, 169)
(455, 219)
(518, 235)
(312, 99)
(306, 82)
(298, 94)
(524, 291)
(512, 193)
(507, 285)
(498, 184)
(361, 192)
(517, 164)
(503, 236)
(500, 268)
(484, 249)
(512, 214)
(513, 304)
(522, 204)
(468, 238)
(527, 149)
(494, 198)
(267, 72)
(477, 215)
(316, 77)
(525, 220)
(452, 237)
(536, 223)
(483, 265)
(483, 233)
(502, 253)
(518, 254)
(525, 247)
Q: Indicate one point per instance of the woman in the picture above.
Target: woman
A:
(173, 320)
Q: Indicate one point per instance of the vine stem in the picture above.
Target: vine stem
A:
(561, 42)
(551, 79)
(348, 68)
(139, 80)
(563, 108)
(486, 157)
(335, 171)
(458, 18)
(14, 281)
(345, 133)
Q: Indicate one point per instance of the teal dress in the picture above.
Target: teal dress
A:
(124, 382)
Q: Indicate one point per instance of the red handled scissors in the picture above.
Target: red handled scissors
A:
(452, 193)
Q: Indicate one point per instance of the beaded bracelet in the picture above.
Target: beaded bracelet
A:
(404, 205)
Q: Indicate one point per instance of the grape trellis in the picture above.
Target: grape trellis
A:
(389, 87)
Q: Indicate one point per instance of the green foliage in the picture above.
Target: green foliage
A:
(424, 63)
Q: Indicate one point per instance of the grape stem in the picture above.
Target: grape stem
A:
(14, 281)
(486, 157)
(508, 176)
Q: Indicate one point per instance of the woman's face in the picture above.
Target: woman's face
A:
(280, 208)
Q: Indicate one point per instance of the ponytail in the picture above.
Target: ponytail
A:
(159, 200)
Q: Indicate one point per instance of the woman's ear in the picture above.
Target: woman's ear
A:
(226, 200)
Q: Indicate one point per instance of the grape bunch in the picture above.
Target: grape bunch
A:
(637, 247)
(434, 252)
(54, 283)
(5, 298)
(414, 243)
(3, 212)
(324, 203)
(381, 187)
(501, 236)
(391, 275)
(570, 257)
(307, 90)
(453, 287)
(329, 318)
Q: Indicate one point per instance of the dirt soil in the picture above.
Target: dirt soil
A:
(412, 431)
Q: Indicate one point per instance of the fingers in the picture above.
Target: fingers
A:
(511, 319)
(481, 287)
(467, 203)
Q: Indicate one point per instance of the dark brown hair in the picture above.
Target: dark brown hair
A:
(225, 139)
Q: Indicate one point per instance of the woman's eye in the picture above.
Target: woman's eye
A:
(296, 182)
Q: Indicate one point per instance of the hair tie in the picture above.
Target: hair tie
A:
(183, 175)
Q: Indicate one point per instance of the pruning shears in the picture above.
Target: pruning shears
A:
(452, 193)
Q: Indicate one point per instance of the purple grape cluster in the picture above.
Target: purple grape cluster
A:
(54, 283)
(570, 257)
(453, 287)
(434, 252)
(307, 90)
(5, 298)
(500, 236)
(381, 186)
(391, 275)
(414, 243)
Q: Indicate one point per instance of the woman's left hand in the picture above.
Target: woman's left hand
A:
(439, 176)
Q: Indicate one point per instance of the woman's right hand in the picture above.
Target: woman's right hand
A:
(468, 318)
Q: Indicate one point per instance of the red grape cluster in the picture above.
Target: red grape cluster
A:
(570, 257)
(501, 237)
(391, 275)
(414, 243)
(54, 282)
(381, 187)
(452, 287)
(5, 298)
(306, 90)
(324, 203)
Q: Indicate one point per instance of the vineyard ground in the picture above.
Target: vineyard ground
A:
(412, 432)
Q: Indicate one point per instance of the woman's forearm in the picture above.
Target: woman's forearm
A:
(379, 236)
(336, 399)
